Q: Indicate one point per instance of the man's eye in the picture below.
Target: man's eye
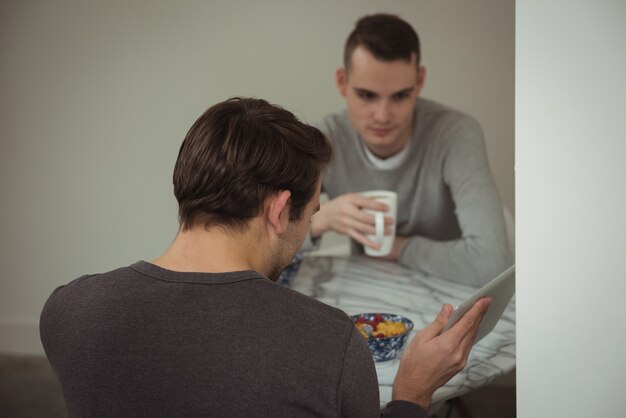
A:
(365, 95)
(401, 96)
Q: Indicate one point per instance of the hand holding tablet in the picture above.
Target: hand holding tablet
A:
(500, 290)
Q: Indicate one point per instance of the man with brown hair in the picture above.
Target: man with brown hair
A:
(204, 330)
(450, 221)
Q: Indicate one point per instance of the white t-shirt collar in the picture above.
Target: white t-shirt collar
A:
(387, 163)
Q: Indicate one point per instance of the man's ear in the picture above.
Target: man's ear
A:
(341, 80)
(278, 211)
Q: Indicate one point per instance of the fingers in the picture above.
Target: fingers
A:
(345, 215)
(365, 224)
(353, 208)
(483, 306)
(363, 202)
(362, 239)
(361, 221)
(466, 328)
(434, 328)
(476, 313)
(432, 358)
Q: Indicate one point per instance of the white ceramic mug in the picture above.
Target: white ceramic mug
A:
(390, 199)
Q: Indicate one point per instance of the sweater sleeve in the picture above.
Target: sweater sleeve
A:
(482, 250)
(358, 386)
(403, 409)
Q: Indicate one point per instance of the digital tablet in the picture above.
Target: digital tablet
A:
(500, 290)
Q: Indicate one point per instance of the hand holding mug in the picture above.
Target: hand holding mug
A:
(379, 236)
(347, 214)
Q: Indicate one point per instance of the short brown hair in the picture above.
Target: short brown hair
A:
(386, 36)
(238, 153)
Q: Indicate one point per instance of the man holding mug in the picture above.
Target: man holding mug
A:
(449, 219)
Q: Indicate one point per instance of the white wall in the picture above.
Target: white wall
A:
(97, 96)
(570, 173)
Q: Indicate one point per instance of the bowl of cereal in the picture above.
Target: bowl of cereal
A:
(386, 334)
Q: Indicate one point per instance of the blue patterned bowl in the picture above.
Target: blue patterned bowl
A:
(387, 348)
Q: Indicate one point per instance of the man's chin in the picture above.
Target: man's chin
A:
(384, 135)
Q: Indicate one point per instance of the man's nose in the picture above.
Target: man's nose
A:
(382, 112)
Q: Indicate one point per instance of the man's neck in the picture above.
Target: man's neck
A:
(383, 153)
(216, 250)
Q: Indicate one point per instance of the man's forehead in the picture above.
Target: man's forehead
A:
(369, 73)
(361, 55)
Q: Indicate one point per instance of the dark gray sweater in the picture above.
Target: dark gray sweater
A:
(142, 341)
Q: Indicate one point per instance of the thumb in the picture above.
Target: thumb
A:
(434, 328)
